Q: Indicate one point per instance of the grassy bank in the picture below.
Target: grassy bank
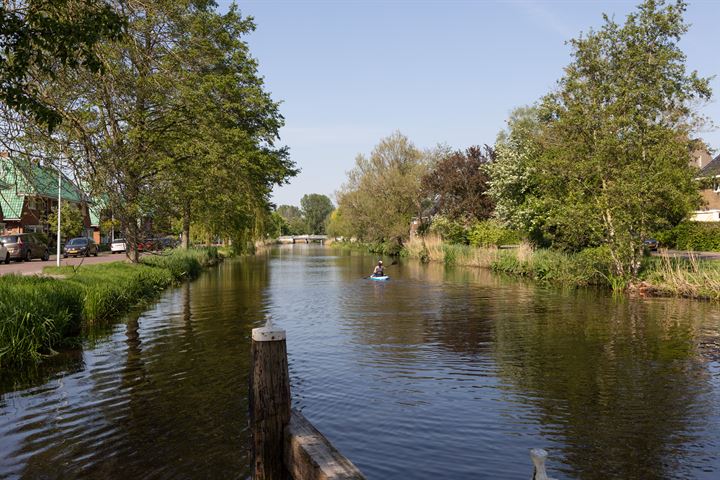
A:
(590, 267)
(659, 276)
(40, 314)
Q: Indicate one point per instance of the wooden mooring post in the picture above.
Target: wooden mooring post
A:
(286, 446)
(538, 456)
(269, 401)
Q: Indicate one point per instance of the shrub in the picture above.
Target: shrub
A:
(595, 265)
(490, 233)
(701, 236)
(451, 231)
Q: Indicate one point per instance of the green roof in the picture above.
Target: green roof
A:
(11, 204)
(96, 206)
(20, 179)
(94, 211)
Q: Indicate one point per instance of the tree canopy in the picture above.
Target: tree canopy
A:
(457, 185)
(176, 123)
(38, 38)
(382, 193)
(316, 209)
(605, 159)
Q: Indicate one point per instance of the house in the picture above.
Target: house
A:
(709, 177)
(29, 193)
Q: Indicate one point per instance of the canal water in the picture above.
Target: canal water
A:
(437, 374)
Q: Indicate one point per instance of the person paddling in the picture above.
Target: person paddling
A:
(379, 272)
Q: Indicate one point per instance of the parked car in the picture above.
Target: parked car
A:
(80, 246)
(118, 245)
(145, 245)
(4, 255)
(169, 242)
(25, 246)
(651, 244)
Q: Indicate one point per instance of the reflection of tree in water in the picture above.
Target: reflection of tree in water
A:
(65, 362)
(621, 383)
(172, 402)
(433, 304)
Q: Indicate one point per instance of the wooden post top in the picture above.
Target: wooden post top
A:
(538, 456)
(268, 333)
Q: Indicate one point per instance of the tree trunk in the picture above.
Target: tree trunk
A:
(186, 226)
(133, 252)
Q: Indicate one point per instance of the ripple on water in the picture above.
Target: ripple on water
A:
(439, 373)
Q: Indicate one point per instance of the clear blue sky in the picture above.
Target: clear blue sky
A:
(351, 72)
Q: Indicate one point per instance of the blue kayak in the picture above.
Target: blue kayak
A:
(379, 279)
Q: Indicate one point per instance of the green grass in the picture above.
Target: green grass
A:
(665, 276)
(184, 264)
(39, 314)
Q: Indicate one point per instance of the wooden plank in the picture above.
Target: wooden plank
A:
(310, 456)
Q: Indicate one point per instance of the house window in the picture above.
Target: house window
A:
(31, 203)
(716, 186)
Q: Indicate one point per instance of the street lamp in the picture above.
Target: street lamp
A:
(59, 204)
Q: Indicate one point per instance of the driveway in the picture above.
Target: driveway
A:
(36, 266)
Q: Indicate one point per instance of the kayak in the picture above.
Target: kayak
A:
(379, 279)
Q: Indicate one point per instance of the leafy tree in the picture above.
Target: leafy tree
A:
(71, 221)
(514, 185)
(616, 138)
(277, 225)
(40, 37)
(457, 185)
(338, 224)
(316, 209)
(294, 222)
(382, 193)
(228, 143)
(177, 123)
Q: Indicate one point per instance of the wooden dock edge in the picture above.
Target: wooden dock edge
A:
(310, 456)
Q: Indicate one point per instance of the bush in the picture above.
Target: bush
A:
(390, 248)
(490, 233)
(595, 265)
(451, 231)
(700, 236)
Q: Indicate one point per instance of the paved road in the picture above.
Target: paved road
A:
(36, 266)
(686, 254)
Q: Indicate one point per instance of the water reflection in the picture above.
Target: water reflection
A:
(439, 373)
(164, 396)
(470, 369)
(622, 388)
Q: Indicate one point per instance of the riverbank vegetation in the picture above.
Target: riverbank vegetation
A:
(40, 314)
(662, 275)
(580, 180)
